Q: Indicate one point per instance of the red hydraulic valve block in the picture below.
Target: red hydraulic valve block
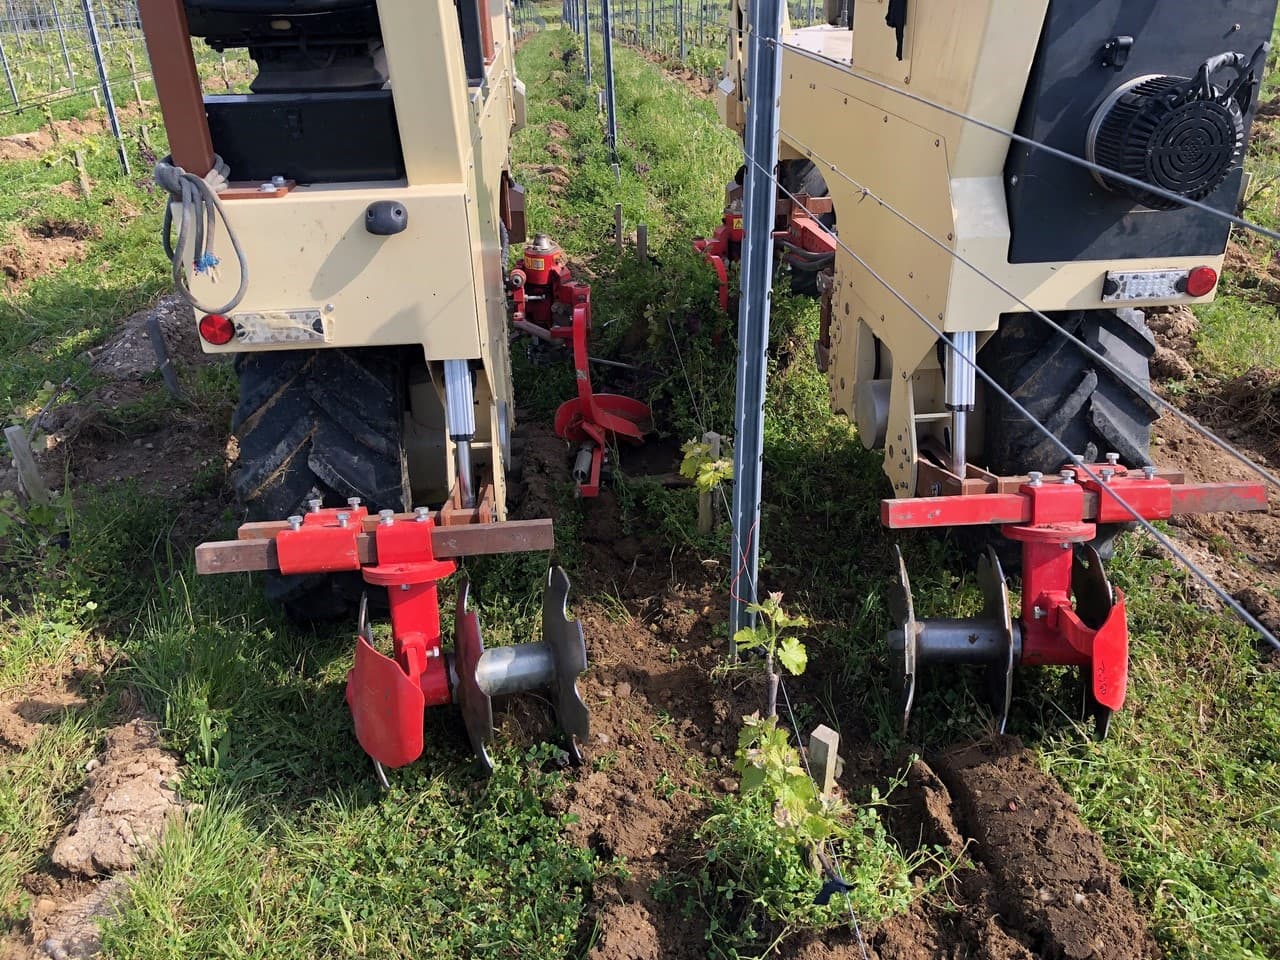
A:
(388, 695)
(591, 420)
(1070, 615)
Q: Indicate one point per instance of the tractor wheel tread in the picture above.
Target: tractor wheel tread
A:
(321, 424)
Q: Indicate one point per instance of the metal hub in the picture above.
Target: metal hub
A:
(991, 639)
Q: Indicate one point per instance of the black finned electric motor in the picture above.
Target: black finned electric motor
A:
(1179, 134)
(1160, 91)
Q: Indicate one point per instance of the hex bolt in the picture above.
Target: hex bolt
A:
(1035, 478)
(421, 514)
(268, 188)
(314, 505)
(1067, 476)
(277, 181)
(295, 522)
(1077, 459)
(1038, 613)
(342, 519)
(386, 517)
(432, 652)
(354, 502)
(1113, 459)
(1106, 473)
(1149, 472)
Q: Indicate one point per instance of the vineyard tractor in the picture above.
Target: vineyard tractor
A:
(983, 306)
(360, 199)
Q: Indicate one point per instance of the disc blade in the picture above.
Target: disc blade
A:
(569, 651)
(474, 703)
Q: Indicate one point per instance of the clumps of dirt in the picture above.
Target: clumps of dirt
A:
(555, 178)
(128, 355)
(1252, 266)
(1251, 404)
(66, 924)
(127, 802)
(117, 433)
(558, 130)
(1218, 542)
(1049, 878)
(23, 716)
(1175, 332)
(43, 248)
(627, 932)
(1263, 605)
(25, 146)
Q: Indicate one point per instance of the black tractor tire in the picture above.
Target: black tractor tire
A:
(326, 424)
(1083, 403)
(797, 177)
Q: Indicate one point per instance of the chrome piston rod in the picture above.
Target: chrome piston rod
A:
(460, 422)
(961, 394)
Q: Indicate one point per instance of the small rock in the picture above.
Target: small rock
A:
(1079, 899)
(622, 690)
(727, 785)
(602, 738)
(716, 749)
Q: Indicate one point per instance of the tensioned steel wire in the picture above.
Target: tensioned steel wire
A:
(1065, 155)
(1132, 382)
(1126, 377)
(1163, 540)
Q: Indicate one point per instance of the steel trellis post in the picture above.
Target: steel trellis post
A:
(62, 40)
(760, 144)
(586, 37)
(8, 74)
(606, 33)
(108, 99)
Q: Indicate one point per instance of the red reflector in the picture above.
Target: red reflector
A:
(1201, 281)
(216, 329)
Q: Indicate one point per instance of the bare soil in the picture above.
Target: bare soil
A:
(47, 247)
(95, 440)
(663, 736)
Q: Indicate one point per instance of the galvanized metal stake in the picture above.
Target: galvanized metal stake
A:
(108, 99)
(760, 146)
(606, 14)
(653, 24)
(586, 36)
(62, 39)
(680, 26)
(8, 74)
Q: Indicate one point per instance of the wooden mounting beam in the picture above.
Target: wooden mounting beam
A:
(258, 552)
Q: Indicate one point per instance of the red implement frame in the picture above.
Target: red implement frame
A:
(541, 282)
(1049, 518)
(797, 229)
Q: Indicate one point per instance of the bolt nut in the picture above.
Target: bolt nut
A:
(386, 517)
(1149, 472)
(1067, 476)
(1035, 478)
(277, 181)
(1113, 459)
(1077, 459)
(268, 188)
(295, 522)
(1106, 473)
(1038, 613)
(421, 514)
(354, 502)
(314, 505)
(343, 518)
